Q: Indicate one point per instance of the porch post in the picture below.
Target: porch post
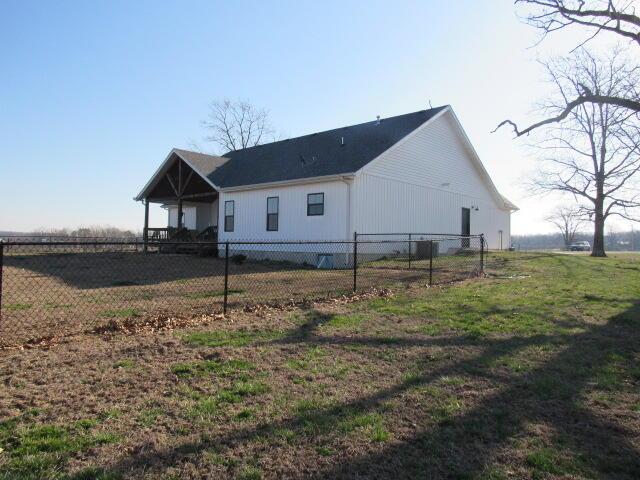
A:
(145, 232)
(179, 193)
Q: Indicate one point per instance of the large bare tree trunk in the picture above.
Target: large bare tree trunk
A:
(598, 231)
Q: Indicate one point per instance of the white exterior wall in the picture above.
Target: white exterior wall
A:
(189, 217)
(293, 222)
(421, 185)
(196, 216)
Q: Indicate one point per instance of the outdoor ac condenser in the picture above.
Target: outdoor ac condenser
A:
(426, 249)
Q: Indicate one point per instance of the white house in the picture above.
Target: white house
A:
(410, 173)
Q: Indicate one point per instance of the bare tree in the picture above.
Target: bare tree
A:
(611, 16)
(594, 155)
(568, 220)
(234, 125)
(617, 17)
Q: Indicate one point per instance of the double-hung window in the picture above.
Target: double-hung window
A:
(272, 213)
(229, 215)
(315, 204)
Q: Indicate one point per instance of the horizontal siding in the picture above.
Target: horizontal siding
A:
(293, 222)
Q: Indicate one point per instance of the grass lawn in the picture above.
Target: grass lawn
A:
(532, 372)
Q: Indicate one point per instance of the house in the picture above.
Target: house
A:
(410, 173)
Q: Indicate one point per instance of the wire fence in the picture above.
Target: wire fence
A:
(56, 289)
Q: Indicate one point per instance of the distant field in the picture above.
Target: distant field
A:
(532, 372)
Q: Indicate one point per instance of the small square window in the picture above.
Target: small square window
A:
(315, 204)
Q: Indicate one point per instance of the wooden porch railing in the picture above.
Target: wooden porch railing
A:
(172, 234)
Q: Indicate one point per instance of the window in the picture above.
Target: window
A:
(315, 204)
(272, 214)
(229, 212)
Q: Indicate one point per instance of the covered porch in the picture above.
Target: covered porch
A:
(182, 188)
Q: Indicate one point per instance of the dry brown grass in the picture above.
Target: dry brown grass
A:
(60, 294)
(531, 373)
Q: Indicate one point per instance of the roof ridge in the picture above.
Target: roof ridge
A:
(338, 128)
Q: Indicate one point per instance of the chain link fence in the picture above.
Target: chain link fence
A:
(56, 289)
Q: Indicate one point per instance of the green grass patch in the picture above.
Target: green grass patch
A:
(207, 367)
(553, 461)
(124, 363)
(34, 451)
(325, 451)
(371, 424)
(541, 296)
(149, 416)
(15, 307)
(245, 414)
(222, 338)
(346, 321)
(249, 472)
(207, 406)
(121, 313)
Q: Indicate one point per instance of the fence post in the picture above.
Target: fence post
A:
(226, 277)
(409, 251)
(430, 262)
(1, 268)
(355, 261)
(145, 231)
(481, 252)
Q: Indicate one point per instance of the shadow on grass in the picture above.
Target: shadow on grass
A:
(469, 444)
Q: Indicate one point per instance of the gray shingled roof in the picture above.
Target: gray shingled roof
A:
(204, 164)
(314, 155)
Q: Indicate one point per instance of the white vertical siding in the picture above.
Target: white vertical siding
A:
(293, 222)
(213, 219)
(435, 157)
(190, 216)
(172, 217)
(196, 216)
(382, 205)
(422, 186)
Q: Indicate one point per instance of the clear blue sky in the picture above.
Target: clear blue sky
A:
(93, 95)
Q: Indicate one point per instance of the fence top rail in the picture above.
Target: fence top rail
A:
(222, 243)
(450, 235)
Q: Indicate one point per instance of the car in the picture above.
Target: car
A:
(582, 246)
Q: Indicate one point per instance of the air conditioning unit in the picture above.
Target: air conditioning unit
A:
(426, 249)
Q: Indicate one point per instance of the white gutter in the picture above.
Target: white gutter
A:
(299, 181)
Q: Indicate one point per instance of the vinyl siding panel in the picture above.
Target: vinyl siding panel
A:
(433, 157)
(190, 216)
(293, 222)
(383, 205)
(422, 184)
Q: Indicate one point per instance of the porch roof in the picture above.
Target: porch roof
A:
(183, 175)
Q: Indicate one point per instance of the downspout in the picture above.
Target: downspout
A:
(348, 230)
